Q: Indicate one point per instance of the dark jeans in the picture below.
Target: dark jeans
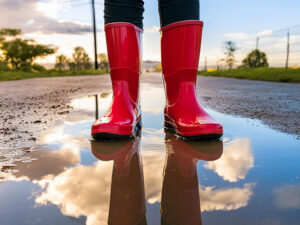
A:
(131, 11)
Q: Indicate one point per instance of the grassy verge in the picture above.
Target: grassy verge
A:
(19, 75)
(265, 74)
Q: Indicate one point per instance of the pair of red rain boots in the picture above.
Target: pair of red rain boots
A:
(180, 50)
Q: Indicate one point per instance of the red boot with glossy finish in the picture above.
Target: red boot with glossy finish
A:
(180, 43)
(124, 53)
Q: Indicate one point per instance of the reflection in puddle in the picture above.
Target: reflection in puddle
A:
(235, 162)
(180, 199)
(153, 178)
(225, 198)
(127, 192)
(287, 196)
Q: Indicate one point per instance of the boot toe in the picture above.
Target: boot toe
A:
(112, 128)
(196, 129)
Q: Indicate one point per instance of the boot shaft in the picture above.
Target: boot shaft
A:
(180, 52)
(180, 46)
(124, 48)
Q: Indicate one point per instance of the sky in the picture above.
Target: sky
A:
(67, 23)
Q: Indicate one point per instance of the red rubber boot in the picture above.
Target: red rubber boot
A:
(180, 43)
(124, 53)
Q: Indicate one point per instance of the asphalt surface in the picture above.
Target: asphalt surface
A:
(29, 106)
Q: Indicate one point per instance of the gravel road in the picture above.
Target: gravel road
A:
(29, 106)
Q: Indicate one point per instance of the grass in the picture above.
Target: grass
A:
(265, 74)
(19, 75)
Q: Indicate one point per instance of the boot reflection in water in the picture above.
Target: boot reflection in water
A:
(127, 198)
(181, 34)
(180, 200)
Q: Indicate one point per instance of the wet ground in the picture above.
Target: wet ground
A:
(251, 176)
(27, 107)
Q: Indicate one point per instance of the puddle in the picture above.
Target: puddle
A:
(251, 177)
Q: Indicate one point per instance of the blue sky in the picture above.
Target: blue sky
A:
(237, 20)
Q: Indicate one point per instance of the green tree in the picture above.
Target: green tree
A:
(3, 63)
(72, 66)
(255, 59)
(103, 65)
(230, 49)
(21, 53)
(38, 68)
(4, 33)
(81, 59)
(61, 62)
(8, 32)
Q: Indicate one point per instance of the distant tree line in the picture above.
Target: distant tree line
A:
(254, 59)
(17, 54)
(20, 54)
(80, 61)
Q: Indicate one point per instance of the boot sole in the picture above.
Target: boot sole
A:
(104, 136)
(200, 137)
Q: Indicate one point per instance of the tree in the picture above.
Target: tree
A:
(61, 62)
(21, 53)
(230, 49)
(8, 32)
(103, 65)
(255, 59)
(81, 59)
(3, 64)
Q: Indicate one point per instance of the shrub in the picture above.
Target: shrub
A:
(38, 68)
(4, 66)
(255, 59)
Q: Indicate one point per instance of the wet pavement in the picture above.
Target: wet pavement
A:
(251, 176)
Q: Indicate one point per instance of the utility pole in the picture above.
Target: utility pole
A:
(287, 50)
(95, 33)
(205, 64)
(257, 40)
(96, 107)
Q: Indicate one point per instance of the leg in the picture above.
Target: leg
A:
(180, 43)
(129, 11)
(169, 11)
(123, 29)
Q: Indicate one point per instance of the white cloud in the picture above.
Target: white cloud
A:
(265, 33)
(36, 16)
(54, 161)
(245, 36)
(238, 36)
(236, 161)
(81, 191)
(225, 198)
(52, 8)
